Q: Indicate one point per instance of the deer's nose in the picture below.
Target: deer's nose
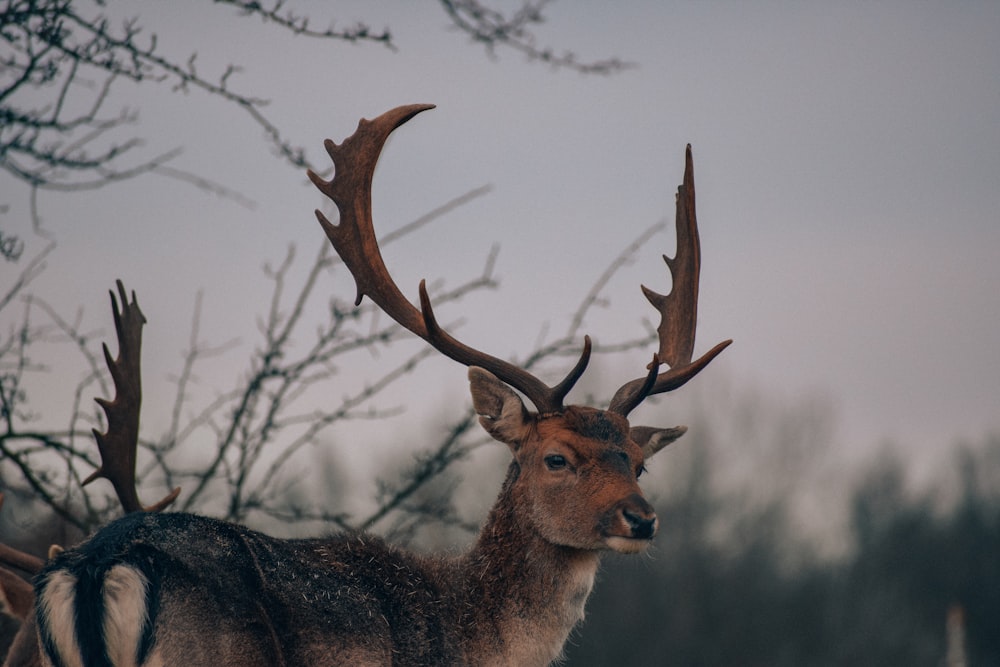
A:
(639, 517)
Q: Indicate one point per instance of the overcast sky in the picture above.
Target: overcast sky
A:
(847, 163)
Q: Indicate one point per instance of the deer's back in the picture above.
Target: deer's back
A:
(184, 589)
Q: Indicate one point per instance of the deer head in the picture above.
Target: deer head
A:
(555, 448)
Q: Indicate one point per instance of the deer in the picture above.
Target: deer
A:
(156, 588)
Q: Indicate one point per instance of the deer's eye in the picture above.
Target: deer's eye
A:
(555, 462)
(638, 473)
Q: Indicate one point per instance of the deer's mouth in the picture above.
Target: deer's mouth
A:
(627, 545)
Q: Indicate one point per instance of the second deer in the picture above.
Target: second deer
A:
(179, 589)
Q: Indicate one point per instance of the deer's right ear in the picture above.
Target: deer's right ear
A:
(500, 410)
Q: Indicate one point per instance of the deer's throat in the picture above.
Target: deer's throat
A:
(525, 594)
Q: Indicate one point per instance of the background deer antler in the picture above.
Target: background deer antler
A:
(118, 455)
(119, 444)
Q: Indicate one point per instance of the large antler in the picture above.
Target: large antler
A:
(354, 240)
(678, 310)
(118, 446)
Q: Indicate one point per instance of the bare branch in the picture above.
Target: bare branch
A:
(492, 29)
(299, 25)
(27, 274)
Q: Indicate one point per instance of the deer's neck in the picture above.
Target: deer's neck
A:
(523, 594)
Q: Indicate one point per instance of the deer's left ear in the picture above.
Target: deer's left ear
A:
(501, 411)
(652, 440)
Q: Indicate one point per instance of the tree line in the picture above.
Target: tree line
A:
(758, 595)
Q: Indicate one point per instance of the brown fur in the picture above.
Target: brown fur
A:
(17, 601)
(220, 595)
(23, 650)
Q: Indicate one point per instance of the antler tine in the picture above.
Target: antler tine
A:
(566, 385)
(118, 446)
(678, 309)
(354, 240)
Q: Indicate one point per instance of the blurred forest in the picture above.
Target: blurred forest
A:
(731, 581)
(743, 570)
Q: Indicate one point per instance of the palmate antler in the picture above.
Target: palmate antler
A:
(119, 444)
(678, 310)
(355, 241)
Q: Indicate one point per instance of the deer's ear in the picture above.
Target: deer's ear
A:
(652, 440)
(500, 410)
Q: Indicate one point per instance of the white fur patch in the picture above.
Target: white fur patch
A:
(125, 613)
(627, 545)
(585, 584)
(56, 605)
(579, 586)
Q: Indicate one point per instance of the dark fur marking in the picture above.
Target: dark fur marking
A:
(88, 613)
(90, 564)
(148, 564)
(598, 425)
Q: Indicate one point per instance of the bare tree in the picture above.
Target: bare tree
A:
(61, 58)
(253, 429)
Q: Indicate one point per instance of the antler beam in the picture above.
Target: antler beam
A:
(355, 241)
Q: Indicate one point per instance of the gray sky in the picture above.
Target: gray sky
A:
(847, 160)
